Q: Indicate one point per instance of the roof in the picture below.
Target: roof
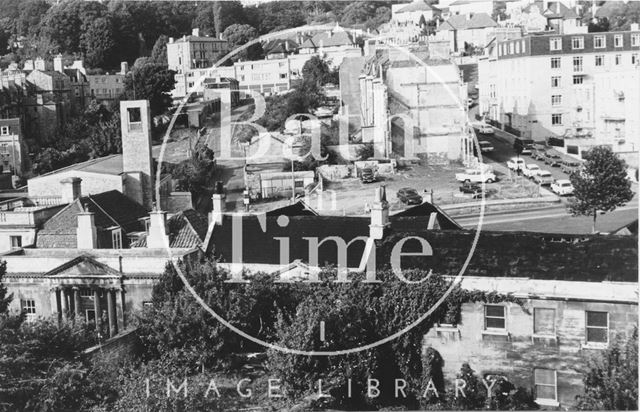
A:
(111, 164)
(443, 220)
(76, 74)
(299, 208)
(611, 8)
(280, 46)
(557, 10)
(186, 39)
(110, 209)
(497, 254)
(83, 266)
(627, 230)
(460, 22)
(329, 39)
(187, 229)
(419, 5)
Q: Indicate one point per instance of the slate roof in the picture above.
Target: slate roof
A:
(111, 164)
(110, 209)
(333, 39)
(187, 229)
(591, 258)
(558, 10)
(460, 22)
(280, 46)
(297, 209)
(419, 5)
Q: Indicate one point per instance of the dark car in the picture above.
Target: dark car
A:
(552, 159)
(367, 175)
(409, 196)
(474, 189)
(569, 166)
(539, 154)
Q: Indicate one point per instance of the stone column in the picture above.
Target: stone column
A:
(58, 292)
(111, 305)
(97, 310)
(65, 303)
(76, 303)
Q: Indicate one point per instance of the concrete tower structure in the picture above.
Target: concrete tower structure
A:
(137, 163)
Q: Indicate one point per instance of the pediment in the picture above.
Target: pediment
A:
(83, 267)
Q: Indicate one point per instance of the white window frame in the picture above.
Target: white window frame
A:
(586, 327)
(556, 100)
(19, 238)
(599, 58)
(555, 43)
(504, 311)
(578, 64)
(618, 40)
(553, 79)
(4, 130)
(116, 238)
(603, 44)
(635, 40)
(617, 59)
(546, 401)
(580, 42)
(557, 61)
(578, 76)
(553, 116)
(28, 307)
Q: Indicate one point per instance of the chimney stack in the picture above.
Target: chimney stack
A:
(635, 26)
(195, 32)
(71, 189)
(124, 67)
(379, 214)
(158, 231)
(219, 203)
(86, 233)
(28, 65)
(40, 64)
(171, 40)
(57, 63)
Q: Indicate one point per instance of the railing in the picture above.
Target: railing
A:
(47, 200)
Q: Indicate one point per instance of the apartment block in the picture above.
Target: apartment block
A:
(556, 86)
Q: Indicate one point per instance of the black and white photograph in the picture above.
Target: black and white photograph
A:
(319, 205)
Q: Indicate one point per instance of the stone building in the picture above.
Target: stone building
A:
(11, 147)
(108, 87)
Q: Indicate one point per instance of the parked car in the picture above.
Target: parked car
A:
(483, 128)
(569, 166)
(485, 146)
(552, 159)
(474, 189)
(543, 178)
(368, 175)
(515, 163)
(476, 176)
(539, 154)
(530, 170)
(527, 149)
(409, 196)
(562, 187)
(469, 102)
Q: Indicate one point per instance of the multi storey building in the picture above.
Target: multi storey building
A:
(108, 87)
(557, 85)
(11, 147)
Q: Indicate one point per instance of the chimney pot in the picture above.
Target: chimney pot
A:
(219, 204)
(86, 233)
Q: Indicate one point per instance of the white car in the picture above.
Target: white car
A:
(543, 178)
(485, 146)
(562, 187)
(530, 170)
(483, 128)
(476, 176)
(515, 163)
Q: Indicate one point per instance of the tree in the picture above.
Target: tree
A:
(601, 184)
(240, 34)
(98, 43)
(226, 13)
(196, 173)
(611, 382)
(152, 82)
(5, 296)
(31, 14)
(205, 19)
(159, 51)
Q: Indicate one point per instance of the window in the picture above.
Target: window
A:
(618, 41)
(28, 307)
(635, 40)
(555, 43)
(4, 130)
(494, 317)
(634, 58)
(544, 321)
(16, 241)
(577, 43)
(4, 148)
(555, 62)
(86, 293)
(556, 119)
(555, 81)
(600, 60)
(618, 59)
(577, 64)
(116, 238)
(556, 100)
(577, 80)
(599, 42)
(546, 384)
(597, 327)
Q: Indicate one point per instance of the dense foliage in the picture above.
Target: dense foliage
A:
(195, 174)
(601, 185)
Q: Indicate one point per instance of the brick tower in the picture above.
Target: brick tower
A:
(137, 163)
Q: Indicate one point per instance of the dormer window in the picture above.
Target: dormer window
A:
(116, 238)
